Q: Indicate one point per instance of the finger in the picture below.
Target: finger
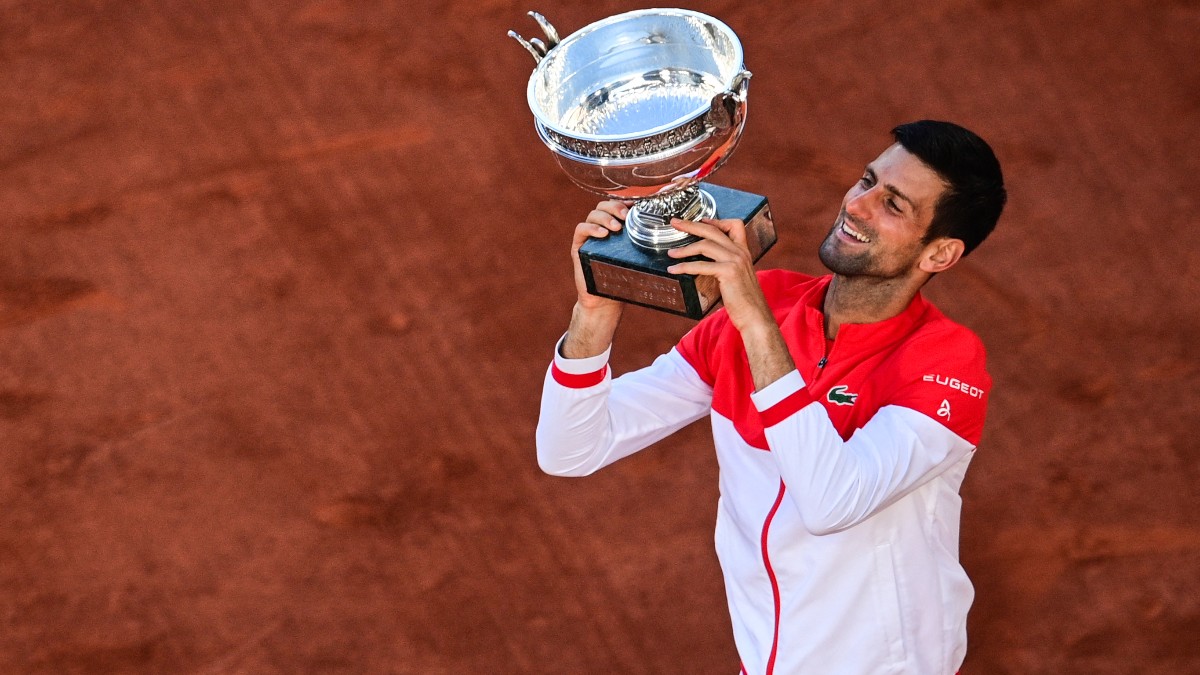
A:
(614, 208)
(713, 250)
(725, 224)
(709, 233)
(734, 227)
(585, 230)
(700, 229)
(698, 268)
(605, 219)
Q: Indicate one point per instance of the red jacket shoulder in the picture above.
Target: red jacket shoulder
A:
(941, 371)
(941, 342)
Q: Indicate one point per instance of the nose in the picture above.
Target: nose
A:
(857, 205)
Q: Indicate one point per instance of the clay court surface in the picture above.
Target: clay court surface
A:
(279, 282)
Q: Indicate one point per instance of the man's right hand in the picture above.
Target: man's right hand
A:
(606, 218)
(594, 320)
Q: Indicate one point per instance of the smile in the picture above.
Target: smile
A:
(853, 233)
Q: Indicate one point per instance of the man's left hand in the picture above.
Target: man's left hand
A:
(724, 243)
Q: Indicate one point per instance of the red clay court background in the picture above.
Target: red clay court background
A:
(279, 282)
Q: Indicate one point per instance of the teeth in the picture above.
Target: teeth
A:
(854, 233)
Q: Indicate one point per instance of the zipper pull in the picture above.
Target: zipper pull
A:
(822, 362)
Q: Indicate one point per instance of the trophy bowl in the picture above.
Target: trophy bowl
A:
(642, 104)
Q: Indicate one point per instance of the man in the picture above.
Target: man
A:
(844, 410)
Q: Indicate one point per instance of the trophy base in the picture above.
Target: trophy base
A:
(616, 268)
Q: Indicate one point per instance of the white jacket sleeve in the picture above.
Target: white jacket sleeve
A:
(837, 484)
(590, 420)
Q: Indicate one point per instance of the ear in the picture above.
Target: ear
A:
(941, 254)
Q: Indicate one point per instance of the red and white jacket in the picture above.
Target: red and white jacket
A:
(838, 520)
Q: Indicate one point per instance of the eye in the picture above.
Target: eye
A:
(892, 205)
(866, 180)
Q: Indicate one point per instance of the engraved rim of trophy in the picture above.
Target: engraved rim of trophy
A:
(642, 105)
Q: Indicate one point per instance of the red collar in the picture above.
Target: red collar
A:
(852, 337)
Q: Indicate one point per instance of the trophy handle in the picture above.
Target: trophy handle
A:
(547, 28)
(728, 108)
(536, 47)
(530, 46)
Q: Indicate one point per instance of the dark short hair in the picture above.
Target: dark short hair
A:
(974, 196)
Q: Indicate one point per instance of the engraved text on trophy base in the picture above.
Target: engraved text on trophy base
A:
(648, 289)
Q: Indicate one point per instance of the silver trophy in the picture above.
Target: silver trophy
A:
(644, 106)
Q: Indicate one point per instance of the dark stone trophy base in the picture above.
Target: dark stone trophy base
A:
(616, 268)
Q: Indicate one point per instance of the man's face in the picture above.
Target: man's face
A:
(883, 218)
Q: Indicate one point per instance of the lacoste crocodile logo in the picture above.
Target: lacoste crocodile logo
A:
(840, 396)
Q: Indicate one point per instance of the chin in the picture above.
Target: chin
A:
(839, 263)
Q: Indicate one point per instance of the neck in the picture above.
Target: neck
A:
(860, 299)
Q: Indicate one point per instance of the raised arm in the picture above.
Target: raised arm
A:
(594, 319)
(587, 419)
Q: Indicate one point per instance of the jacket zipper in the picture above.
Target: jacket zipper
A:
(821, 365)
